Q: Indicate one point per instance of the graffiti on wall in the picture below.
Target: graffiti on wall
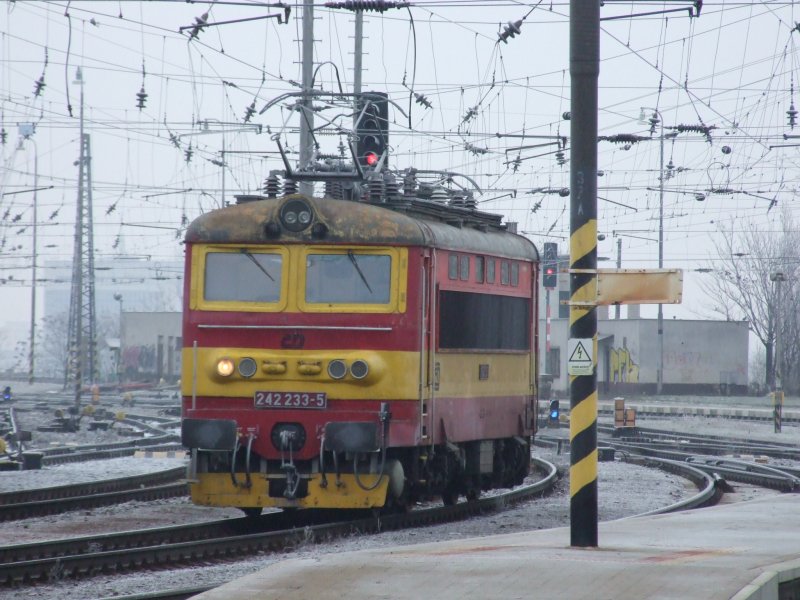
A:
(623, 367)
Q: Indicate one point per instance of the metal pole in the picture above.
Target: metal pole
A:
(307, 114)
(660, 374)
(32, 344)
(119, 298)
(78, 269)
(660, 322)
(779, 321)
(777, 278)
(584, 67)
(358, 53)
(617, 313)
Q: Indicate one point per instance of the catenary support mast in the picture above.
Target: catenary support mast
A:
(584, 66)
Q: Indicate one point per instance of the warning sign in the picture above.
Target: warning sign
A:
(580, 361)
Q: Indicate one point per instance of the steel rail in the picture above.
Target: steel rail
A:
(754, 474)
(51, 507)
(710, 488)
(713, 443)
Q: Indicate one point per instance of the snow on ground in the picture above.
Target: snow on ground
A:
(84, 472)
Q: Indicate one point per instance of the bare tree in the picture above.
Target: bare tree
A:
(52, 346)
(742, 282)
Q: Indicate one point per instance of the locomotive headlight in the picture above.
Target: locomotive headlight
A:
(296, 215)
(337, 369)
(247, 367)
(225, 367)
(359, 369)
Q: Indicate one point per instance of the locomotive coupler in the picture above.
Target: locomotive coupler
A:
(248, 480)
(287, 466)
(292, 480)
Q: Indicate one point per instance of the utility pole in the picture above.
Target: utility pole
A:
(82, 322)
(619, 266)
(584, 68)
(27, 130)
(358, 55)
(306, 108)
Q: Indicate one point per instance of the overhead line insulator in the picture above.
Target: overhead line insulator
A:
(367, 5)
(39, 86)
(141, 98)
(249, 111)
(422, 100)
(510, 30)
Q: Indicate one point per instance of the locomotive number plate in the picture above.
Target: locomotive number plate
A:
(291, 400)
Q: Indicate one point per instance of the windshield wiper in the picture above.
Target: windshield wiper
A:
(353, 260)
(258, 264)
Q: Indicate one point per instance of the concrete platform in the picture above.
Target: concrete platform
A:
(738, 551)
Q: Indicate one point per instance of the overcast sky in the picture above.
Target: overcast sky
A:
(732, 68)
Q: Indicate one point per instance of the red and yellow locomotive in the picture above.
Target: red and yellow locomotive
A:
(342, 354)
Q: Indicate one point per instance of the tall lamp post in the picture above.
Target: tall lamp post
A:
(26, 130)
(656, 118)
(778, 278)
(118, 298)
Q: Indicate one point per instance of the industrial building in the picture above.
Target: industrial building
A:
(699, 356)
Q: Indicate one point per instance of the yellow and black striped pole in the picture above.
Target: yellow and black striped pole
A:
(584, 69)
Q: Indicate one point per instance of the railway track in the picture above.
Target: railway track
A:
(707, 444)
(728, 468)
(47, 501)
(158, 439)
(88, 556)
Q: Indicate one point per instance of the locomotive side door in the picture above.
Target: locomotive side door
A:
(428, 371)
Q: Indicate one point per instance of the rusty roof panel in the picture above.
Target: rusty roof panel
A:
(354, 222)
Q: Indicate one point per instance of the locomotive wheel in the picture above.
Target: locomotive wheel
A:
(397, 506)
(449, 497)
(252, 512)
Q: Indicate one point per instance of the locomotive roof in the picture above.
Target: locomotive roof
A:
(414, 223)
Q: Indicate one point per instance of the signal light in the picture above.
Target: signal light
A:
(550, 265)
(554, 412)
(372, 130)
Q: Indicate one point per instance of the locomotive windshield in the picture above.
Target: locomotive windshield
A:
(349, 278)
(243, 276)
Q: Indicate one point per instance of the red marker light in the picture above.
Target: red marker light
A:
(370, 158)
